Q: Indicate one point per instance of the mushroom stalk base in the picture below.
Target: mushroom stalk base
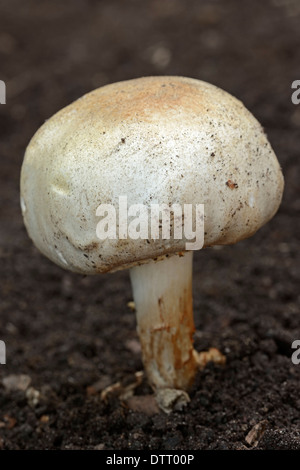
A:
(162, 293)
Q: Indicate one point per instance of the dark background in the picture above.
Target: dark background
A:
(72, 335)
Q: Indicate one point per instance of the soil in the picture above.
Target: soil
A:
(72, 336)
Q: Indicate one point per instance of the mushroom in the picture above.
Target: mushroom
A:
(163, 140)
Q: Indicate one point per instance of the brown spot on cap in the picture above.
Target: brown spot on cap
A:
(231, 184)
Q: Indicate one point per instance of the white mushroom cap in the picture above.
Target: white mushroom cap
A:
(154, 140)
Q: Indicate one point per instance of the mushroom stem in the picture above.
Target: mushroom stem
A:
(162, 294)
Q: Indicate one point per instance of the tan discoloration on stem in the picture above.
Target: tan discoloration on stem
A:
(165, 322)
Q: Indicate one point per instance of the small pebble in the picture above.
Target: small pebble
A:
(33, 396)
(169, 399)
(16, 382)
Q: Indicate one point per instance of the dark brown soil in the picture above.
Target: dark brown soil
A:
(67, 332)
